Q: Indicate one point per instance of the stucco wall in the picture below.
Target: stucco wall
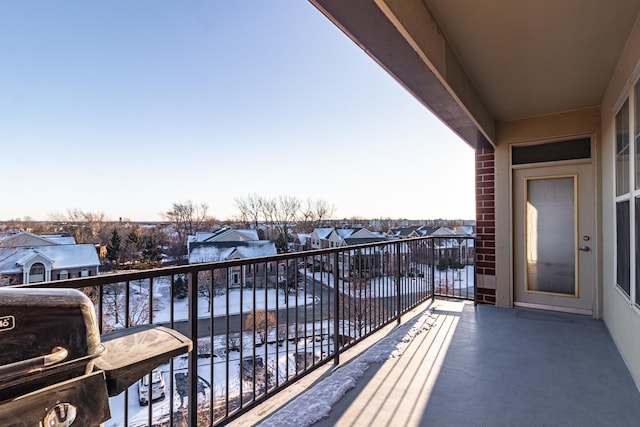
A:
(539, 130)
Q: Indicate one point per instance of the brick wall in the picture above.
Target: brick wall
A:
(485, 225)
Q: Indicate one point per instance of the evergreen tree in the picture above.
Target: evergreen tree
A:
(282, 245)
(113, 247)
(151, 252)
(180, 287)
(133, 238)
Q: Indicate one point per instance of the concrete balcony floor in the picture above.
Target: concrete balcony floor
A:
(490, 366)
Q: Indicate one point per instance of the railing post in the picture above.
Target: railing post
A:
(433, 270)
(398, 288)
(475, 273)
(192, 412)
(336, 311)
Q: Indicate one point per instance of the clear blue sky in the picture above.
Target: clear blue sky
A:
(125, 107)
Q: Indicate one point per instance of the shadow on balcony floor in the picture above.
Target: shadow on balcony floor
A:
(488, 366)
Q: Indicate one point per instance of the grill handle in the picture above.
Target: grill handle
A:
(57, 355)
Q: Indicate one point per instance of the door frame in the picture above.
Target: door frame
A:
(594, 243)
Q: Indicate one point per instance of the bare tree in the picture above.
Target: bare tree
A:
(250, 208)
(264, 324)
(212, 283)
(86, 227)
(314, 213)
(269, 214)
(187, 218)
(114, 306)
(28, 224)
(361, 310)
(284, 212)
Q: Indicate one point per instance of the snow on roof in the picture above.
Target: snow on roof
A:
(229, 235)
(211, 253)
(302, 237)
(443, 231)
(262, 248)
(221, 251)
(464, 230)
(23, 239)
(250, 234)
(9, 260)
(405, 231)
(200, 236)
(60, 256)
(345, 232)
(29, 253)
(59, 239)
(363, 240)
(323, 232)
(71, 256)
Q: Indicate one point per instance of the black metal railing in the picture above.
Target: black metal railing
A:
(260, 324)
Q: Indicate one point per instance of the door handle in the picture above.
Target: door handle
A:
(584, 248)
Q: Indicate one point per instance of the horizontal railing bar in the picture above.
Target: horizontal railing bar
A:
(333, 298)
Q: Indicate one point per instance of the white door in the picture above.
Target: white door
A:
(554, 253)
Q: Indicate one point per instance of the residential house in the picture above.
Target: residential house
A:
(222, 235)
(548, 96)
(359, 236)
(324, 237)
(466, 244)
(31, 258)
(229, 244)
(411, 231)
(330, 237)
(301, 242)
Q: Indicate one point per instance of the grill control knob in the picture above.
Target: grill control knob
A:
(61, 415)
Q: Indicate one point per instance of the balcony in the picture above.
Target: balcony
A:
(260, 325)
(482, 365)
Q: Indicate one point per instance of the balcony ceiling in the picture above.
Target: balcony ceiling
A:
(477, 63)
(537, 57)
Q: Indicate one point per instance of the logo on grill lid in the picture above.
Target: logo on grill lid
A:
(7, 323)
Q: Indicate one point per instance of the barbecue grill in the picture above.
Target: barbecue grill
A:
(56, 370)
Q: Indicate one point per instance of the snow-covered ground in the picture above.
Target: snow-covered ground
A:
(263, 300)
(269, 299)
(460, 280)
(280, 358)
(284, 356)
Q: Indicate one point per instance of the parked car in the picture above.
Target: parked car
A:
(158, 387)
(182, 387)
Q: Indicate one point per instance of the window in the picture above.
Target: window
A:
(627, 196)
(623, 246)
(63, 275)
(36, 269)
(84, 272)
(550, 152)
(36, 273)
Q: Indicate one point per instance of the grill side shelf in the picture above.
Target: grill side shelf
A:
(134, 352)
